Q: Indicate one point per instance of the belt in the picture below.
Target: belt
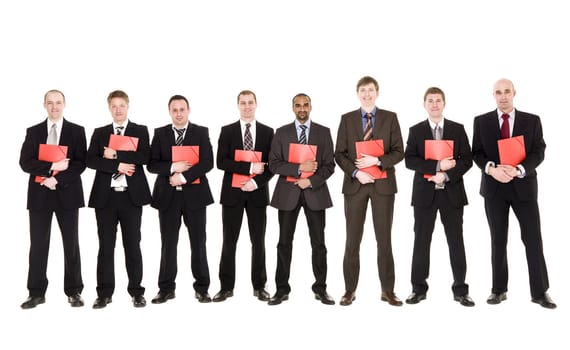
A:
(120, 189)
(179, 188)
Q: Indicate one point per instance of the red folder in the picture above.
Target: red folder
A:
(372, 148)
(437, 150)
(52, 154)
(190, 154)
(299, 153)
(123, 143)
(511, 150)
(244, 156)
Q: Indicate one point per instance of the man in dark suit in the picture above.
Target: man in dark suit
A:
(61, 192)
(253, 195)
(443, 191)
(310, 193)
(176, 196)
(120, 190)
(369, 123)
(511, 186)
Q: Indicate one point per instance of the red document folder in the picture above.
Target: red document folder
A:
(299, 153)
(437, 150)
(52, 154)
(244, 156)
(372, 148)
(190, 154)
(123, 143)
(511, 150)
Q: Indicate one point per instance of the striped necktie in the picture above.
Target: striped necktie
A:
(368, 127)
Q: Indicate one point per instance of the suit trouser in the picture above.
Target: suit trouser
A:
(355, 206)
(287, 226)
(170, 222)
(119, 211)
(40, 233)
(232, 218)
(527, 213)
(452, 220)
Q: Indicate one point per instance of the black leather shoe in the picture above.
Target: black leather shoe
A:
(32, 302)
(278, 298)
(347, 298)
(464, 300)
(415, 298)
(223, 295)
(495, 298)
(75, 300)
(544, 301)
(324, 297)
(102, 302)
(261, 294)
(203, 297)
(391, 298)
(139, 301)
(163, 297)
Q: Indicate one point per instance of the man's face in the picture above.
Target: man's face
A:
(434, 105)
(54, 105)
(119, 109)
(367, 94)
(504, 93)
(247, 107)
(179, 112)
(302, 108)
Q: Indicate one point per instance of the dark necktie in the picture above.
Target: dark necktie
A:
(303, 135)
(368, 127)
(118, 131)
(505, 129)
(179, 136)
(52, 136)
(247, 138)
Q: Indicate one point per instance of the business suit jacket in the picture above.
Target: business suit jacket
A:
(486, 133)
(195, 196)
(139, 191)
(286, 194)
(423, 191)
(386, 128)
(69, 188)
(230, 140)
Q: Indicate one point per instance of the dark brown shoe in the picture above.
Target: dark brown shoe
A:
(347, 298)
(391, 298)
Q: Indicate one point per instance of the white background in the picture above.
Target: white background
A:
(209, 51)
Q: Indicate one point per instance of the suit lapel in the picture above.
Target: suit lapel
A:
(357, 125)
(520, 124)
(65, 138)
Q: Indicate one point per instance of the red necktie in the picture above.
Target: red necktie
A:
(505, 130)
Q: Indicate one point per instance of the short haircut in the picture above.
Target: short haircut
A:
(118, 94)
(300, 95)
(246, 92)
(178, 98)
(365, 81)
(434, 90)
(52, 91)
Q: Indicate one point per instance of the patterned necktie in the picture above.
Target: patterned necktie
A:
(438, 132)
(247, 138)
(505, 129)
(180, 136)
(303, 135)
(368, 127)
(52, 136)
(118, 131)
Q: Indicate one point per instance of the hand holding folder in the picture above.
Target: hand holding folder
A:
(437, 150)
(190, 154)
(52, 154)
(244, 156)
(511, 150)
(299, 153)
(373, 148)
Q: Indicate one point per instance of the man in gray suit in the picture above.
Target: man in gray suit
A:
(365, 124)
(301, 186)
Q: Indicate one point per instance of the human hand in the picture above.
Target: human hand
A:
(49, 182)
(365, 161)
(447, 163)
(61, 165)
(109, 153)
(258, 168)
(309, 166)
(249, 186)
(181, 166)
(303, 183)
(364, 178)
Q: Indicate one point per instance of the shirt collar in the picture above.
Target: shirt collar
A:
(433, 125)
(307, 124)
(363, 112)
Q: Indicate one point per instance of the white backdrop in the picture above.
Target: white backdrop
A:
(209, 51)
